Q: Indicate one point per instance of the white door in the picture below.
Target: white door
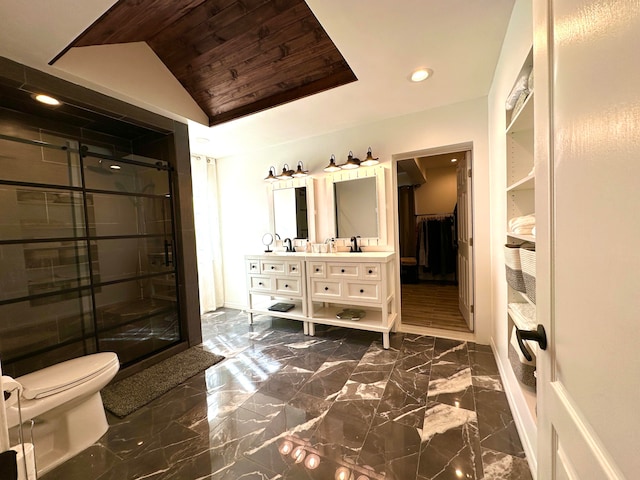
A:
(465, 249)
(588, 245)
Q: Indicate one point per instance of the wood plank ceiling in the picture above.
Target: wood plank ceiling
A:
(234, 57)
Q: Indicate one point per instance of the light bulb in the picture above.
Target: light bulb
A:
(286, 447)
(312, 461)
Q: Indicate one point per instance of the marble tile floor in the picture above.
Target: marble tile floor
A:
(283, 405)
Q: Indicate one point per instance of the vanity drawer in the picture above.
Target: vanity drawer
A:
(371, 271)
(368, 292)
(294, 268)
(260, 283)
(317, 269)
(289, 286)
(349, 270)
(253, 266)
(272, 266)
(326, 289)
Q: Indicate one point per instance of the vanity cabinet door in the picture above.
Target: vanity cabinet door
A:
(326, 289)
(361, 291)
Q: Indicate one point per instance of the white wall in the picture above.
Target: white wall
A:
(517, 43)
(243, 193)
(440, 193)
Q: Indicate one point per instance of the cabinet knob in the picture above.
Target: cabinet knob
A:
(326, 288)
(361, 290)
(370, 272)
(286, 285)
(253, 266)
(293, 269)
(317, 269)
(342, 271)
(272, 267)
(260, 283)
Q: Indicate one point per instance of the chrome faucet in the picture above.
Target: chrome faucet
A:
(287, 242)
(354, 245)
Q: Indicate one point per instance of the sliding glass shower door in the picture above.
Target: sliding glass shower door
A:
(87, 258)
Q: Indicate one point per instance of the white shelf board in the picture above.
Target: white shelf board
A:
(372, 322)
(526, 238)
(526, 183)
(523, 315)
(524, 119)
(262, 305)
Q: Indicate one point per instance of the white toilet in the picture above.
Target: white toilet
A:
(64, 402)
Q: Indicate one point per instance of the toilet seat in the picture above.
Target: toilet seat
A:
(63, 376)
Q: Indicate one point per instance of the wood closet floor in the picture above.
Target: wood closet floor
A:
(432, 305)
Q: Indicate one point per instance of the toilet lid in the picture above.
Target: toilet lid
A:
(62, 376)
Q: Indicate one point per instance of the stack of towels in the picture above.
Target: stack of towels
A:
(525, 225)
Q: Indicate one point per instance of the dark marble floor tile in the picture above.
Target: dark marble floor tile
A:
(241, 469)
(349, 351)
(488, 382)
(392, 450)
(375, 366)
(500, 466)
(404, 399)
(483, 363)
(308, 361)
(478, 347)
(265, 405)
(497, 427)
(454, 351)
(426, 340)
(361, 391)
(286, 382)
(414, 358)
(330, 377)
(450, 444)
(342, 431)
(91, 463)
(455, 390)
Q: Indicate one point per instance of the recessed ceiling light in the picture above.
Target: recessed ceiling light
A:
(421, 74)
(115, 167)
(454, 160)
(46, 99)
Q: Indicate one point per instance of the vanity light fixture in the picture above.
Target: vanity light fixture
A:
(332, 167)
(299, 171)
(286, 172)
(369, 161)
(351, 162)
(271, 177)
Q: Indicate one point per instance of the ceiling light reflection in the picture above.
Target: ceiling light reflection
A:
(312, 461)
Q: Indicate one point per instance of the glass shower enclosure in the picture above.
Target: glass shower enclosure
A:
(87, 257)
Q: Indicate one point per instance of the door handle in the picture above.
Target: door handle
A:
(537, 335)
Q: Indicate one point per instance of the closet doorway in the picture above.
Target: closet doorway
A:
(435, 240)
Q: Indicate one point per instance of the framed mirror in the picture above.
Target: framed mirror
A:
(358, 204)
(291, 207)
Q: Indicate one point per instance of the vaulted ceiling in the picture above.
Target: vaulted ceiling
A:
(234, 57)
(382, 41)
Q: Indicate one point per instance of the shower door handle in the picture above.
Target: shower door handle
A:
(167, 257)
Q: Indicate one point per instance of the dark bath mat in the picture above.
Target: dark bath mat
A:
(129, 394)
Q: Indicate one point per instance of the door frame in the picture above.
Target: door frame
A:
(395, 158)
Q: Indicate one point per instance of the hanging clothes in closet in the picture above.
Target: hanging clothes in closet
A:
(436, 245)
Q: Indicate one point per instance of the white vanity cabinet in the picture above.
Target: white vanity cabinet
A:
(322, 285)
(276, 279)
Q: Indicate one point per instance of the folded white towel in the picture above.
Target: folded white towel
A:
(533, 231)
(526, 220)
(525, 230)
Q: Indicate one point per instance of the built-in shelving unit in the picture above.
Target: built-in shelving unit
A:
(520, 201)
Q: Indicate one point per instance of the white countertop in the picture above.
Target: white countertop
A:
(331, 256)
